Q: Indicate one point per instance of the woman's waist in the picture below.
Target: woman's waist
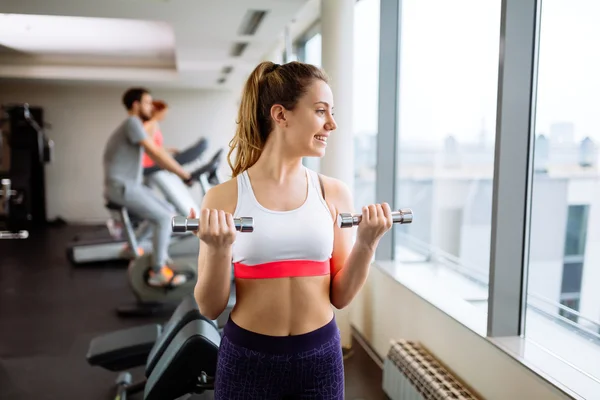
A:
(280, 342)
(281, 307)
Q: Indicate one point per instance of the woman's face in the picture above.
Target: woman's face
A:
(160, 115)
(311, 122)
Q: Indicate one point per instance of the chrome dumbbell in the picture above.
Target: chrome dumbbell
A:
(183, 224)
(347, 220)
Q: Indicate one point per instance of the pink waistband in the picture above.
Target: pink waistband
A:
(282, 269)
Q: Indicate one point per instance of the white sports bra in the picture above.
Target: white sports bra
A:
(284, 243)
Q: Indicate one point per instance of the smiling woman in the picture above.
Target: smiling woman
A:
(295, 251)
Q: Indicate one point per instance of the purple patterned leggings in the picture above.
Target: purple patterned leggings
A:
(255, 366)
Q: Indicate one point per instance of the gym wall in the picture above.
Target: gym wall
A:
(82, 117)
(488, 370)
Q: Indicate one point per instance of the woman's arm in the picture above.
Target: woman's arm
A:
(217, 233)
(351, 261)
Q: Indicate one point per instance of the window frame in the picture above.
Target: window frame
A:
(514, 149)
(508, 300)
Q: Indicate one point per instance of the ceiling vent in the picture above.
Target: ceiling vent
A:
(238, 48)
(251, 22)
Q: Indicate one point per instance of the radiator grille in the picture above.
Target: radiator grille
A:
(411, 373)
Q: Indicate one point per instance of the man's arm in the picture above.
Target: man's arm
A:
(137, 135)
(163, 158)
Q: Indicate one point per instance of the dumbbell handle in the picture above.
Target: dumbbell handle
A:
(183, 224)
(347, 220)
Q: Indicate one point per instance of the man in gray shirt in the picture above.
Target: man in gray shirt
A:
(123, 182)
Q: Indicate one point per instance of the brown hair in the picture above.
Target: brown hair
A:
(159, 105)
(267, 85)
(132, 95)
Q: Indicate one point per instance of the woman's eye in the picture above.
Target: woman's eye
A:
(321, 111)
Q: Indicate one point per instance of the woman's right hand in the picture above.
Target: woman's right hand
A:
(216, 227)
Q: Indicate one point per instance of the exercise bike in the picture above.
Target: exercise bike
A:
(111, 246)
(183, 251)
(148, 345)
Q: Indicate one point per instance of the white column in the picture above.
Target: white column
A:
(337, 31)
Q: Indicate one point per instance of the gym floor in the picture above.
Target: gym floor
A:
(49, 312)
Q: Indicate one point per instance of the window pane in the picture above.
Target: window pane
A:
(366, 100)
(448, 89)
(576, 230)
(312, 50)
(563, 300)
(571, 278)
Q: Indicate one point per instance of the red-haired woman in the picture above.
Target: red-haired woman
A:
(160, 109)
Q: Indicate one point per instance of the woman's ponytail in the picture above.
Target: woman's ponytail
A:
(248, 139)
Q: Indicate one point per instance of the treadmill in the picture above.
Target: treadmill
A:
(102, 246)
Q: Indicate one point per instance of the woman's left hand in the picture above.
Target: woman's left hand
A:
(376, 220)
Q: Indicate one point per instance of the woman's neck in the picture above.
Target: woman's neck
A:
(274, 164)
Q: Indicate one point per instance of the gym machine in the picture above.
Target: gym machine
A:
(179, 195)
(111, 248)
(145, 345)
(150, 300)
(173, 189)
(24, 152)
(8, 231)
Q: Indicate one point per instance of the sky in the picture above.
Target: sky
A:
(449, 67)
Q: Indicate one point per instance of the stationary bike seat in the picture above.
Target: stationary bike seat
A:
(191, 354)
(185, 312)
(113, 206)
(123, 349)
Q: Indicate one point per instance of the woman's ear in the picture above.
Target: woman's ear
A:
(278, 115)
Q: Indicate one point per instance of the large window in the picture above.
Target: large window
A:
(447, 115)
(366, 100)
(366, 92)
(495, 121)
(564, 257)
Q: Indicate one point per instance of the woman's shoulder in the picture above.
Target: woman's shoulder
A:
(222, 196)
(335, 186)
(335, 192)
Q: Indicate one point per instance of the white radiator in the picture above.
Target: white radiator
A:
(411, 373)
